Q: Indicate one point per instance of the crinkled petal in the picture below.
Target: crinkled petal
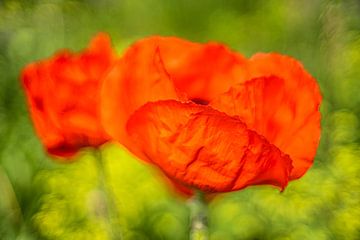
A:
(206, 149)
(284, 111)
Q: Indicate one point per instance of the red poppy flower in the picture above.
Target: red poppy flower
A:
(210, 118)
(63, 97)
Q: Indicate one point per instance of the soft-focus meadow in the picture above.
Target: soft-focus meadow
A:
(43, 199)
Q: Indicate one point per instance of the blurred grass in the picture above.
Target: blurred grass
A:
(40, 199)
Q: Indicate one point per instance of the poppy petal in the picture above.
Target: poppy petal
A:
(135, 79)
(286, 116)
(69, 119)
(206, 149)
(201, 71)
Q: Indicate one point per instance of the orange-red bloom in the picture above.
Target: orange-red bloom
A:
(63, 97)
(210, 118)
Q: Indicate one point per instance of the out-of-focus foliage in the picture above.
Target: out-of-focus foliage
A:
(40, 199)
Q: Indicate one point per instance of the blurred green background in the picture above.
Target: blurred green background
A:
(42, 199)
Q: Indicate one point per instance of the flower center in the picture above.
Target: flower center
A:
(200, 101)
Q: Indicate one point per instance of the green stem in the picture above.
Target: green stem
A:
(198, 217)
(9, 200)
(110, 212)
